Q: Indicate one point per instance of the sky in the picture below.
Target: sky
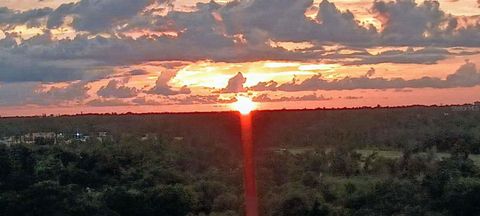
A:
(103, 56)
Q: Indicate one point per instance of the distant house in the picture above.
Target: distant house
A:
(103, 136)
(178, 138)
(11, 140)
(7, 141)
(80, 137)
(44, 138)
(32, 137)
(48, 135)
(149, 136)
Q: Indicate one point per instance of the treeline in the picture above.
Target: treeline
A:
(385, 128)
(131, 177)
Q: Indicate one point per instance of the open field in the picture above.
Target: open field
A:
(390, 154)
(398, 154)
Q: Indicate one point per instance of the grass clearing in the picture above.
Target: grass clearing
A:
(391, 154)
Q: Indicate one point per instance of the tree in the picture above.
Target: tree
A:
(125, 202)
(293, 205)
(462, 197)
(170, 201)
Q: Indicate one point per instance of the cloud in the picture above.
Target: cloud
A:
(16, 94)
(137, 72)
(352, 97)
(10, 18)
(407, 23)
(265, 86)
(114, 89)
(429, 55)
(97, 15)
(310, 97)
(146, 101)
(285, 20)
(163, 88)
(204, 99)
(466, 76)
(185, 100)
(18, 69)
(33, 61)
(107, 102)
(239, 31)
(74, 91)
(235, 84)
(370, 72)
(34, 93)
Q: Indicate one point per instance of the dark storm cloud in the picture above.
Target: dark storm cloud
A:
(466, 76)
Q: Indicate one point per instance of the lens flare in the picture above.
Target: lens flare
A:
(244, 105)
(251, 200)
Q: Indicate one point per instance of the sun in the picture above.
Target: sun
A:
(244, 105)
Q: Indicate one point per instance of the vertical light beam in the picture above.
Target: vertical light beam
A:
(251, 202)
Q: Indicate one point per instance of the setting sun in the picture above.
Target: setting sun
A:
(244, 105)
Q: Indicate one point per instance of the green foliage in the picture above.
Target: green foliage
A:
(308, 163)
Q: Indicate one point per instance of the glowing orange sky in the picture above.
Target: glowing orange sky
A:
(162, 85)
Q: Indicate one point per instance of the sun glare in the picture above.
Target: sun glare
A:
(244, 105)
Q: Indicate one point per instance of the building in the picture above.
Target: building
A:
(149, 136)
(103, 137)
(47, 135)
(30, 138)
(178, 138)
(80, 137)
(102, 134)
(9, 141)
